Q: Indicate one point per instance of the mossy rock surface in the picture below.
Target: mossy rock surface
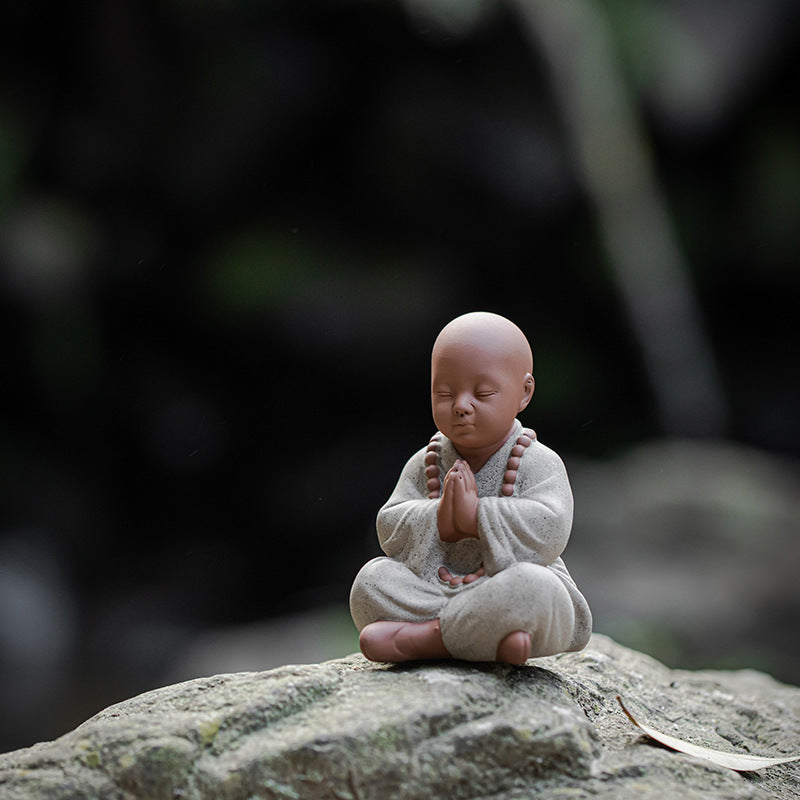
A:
(352, 729)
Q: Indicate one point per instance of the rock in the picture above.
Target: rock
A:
(351, 729)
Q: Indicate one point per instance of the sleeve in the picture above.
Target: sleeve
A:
(406, 524)
(532, 525)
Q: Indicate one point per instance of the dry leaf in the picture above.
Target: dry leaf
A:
(737, 761)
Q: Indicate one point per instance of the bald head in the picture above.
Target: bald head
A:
(483, 332)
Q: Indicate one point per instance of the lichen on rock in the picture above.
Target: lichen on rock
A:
(352, 729)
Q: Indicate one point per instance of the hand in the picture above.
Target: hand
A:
(465, 500)
(444, 514)
(457, 580)
(457, 515)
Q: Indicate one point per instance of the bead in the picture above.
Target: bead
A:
(530, 433)
(510, 477)
(432, 471)
(524, 441)
(430, 458)
(513, 463)
(517, 450)
(433, 495)
(507, 490)
(434, 485)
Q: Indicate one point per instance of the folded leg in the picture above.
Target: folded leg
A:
(525, 597)
(385, 589)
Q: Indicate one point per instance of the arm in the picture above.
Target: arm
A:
(406, 523)
(534, 524)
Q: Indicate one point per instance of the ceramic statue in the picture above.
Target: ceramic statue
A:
(474, 530)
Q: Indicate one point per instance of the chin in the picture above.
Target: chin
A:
(469, 437)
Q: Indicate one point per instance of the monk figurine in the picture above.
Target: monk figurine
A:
(474, 530)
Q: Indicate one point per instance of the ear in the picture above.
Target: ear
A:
(529, 386)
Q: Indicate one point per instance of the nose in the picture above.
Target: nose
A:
(462, 405)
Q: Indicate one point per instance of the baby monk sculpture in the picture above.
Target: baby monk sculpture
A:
(475, 528)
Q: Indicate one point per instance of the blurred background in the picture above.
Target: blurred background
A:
(229, 233)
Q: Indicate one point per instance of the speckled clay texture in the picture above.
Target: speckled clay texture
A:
(524, 523)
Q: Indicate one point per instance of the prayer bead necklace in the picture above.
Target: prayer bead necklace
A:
(433, 474)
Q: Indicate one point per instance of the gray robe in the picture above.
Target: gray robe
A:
(520, 541)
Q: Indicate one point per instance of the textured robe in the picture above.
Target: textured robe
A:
(520, 540)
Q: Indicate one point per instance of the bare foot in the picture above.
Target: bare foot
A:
(457, 580)
(515, 648)
(402, 641)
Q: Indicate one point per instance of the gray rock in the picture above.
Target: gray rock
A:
(352, 729)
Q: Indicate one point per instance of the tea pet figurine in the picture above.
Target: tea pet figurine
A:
(474, 530)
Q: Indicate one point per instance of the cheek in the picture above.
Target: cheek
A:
(499, 415)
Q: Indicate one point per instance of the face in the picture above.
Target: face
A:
(476, 395)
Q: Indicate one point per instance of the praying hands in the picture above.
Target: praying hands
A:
(457, 515)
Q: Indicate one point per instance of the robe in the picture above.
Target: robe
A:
(520, 541)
